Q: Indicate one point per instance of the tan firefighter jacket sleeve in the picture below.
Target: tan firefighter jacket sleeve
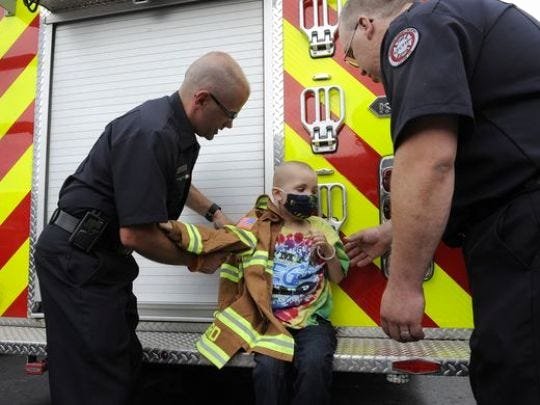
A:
(244, 319)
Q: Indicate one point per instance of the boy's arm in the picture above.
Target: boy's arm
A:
(335, 272)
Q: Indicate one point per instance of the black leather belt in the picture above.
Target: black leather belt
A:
(86, 233)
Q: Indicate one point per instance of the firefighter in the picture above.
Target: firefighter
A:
(463, 80)
(137, 174)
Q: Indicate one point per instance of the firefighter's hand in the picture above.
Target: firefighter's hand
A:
(401, 312)
(170, 229)
(366, 245)
(220, 220)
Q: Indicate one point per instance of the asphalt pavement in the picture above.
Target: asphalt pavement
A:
(201, 385)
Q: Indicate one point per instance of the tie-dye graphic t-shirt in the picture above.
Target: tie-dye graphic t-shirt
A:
(301, 291)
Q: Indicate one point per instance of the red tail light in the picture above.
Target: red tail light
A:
(386, 211)
(35, 367)
(386, 177)
(417, 366)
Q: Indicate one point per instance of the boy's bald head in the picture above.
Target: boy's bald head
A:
(289, 170)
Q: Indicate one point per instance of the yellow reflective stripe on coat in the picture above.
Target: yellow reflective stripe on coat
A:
(247, 334)
(262, 202)
(195, 244)
(230, 272)
(279, 343)
(259, 257)
(269, 267)
(271, 342)
(246, 237)
(212, 351)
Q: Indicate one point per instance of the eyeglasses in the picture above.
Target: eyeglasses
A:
(231, 114)
(349, 55)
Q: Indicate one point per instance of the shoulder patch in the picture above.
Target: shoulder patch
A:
(246, 222)
(402, 46)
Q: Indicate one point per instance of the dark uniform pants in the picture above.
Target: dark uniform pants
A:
(503, 260)
(94, 355)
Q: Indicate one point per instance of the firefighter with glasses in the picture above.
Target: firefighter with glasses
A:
(137, 174)
(463, 81)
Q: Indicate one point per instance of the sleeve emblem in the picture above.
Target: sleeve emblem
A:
(402, 46)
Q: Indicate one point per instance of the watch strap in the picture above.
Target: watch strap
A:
(211, 211)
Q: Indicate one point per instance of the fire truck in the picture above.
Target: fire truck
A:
(68, 67)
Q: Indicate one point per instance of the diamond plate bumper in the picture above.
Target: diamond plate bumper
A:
(363, 350)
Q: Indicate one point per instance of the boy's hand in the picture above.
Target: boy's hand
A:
(318, 238)
(322, 248)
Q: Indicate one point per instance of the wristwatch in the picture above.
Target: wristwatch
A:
(211, 211)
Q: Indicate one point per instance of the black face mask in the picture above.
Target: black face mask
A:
(301, 205)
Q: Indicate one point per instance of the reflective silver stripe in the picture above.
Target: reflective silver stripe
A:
(195, 239)
(259, 257)
(230, 267)
(279, 343)
(230, 272)
(269, 267)
(212, 352)
(246, 333)
(247, 238)
(229, 275)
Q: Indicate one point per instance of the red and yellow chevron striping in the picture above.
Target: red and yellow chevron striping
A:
(18, 70)
(363, 140)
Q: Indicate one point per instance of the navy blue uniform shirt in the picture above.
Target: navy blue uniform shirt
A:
(139, 170)
(479, 61)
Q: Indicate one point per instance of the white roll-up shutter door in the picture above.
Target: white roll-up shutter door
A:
(105, 66)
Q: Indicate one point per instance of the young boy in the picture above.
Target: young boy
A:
(292, 300)
(308, 252)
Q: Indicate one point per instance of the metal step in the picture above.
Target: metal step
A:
(363, 350)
